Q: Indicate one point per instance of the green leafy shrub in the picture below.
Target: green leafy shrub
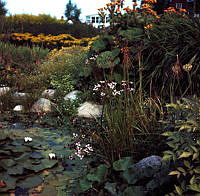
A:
(153, 49)
(18, 63)
(61, 72)
(183, 138)
(170, 36)
(46, 24)
(7, 101)
(63, 110)
(66, 63)
(124, 178)
(61, 82)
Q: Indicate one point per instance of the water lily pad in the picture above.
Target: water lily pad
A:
(9, 181)
(17, 142)
(45, 164)
(16, 170)
(4, 152)
(36, 155)
(3, 136)
(20, 149)
(6, 163)
(58, 169)
(6, 147)
(22, 158)
(30, 182)
(34, 144)
(36, 162)
(39, 147)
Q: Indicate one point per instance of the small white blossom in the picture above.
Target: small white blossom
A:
(112, 85)
(75, 135)
(96, 87)
(52, 155)
(78, 144)
(83, 136)
(86, 150)
(115, 92)
(103, 94)
(78, 154)
(28, 139)
(86, 61)
(70, 157)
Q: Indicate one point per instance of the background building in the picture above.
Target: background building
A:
(95, 20)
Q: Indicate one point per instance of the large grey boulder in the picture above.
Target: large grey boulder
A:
(90, 110)
(42, 106)
(72, 95)
(4, 90)
(48, 92)
(152, 161)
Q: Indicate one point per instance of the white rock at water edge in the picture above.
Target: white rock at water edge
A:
(48, 92)
(20, 95)
(90, 110)
(42, 105)
(72, 95)
(18, 108)
(4, 90)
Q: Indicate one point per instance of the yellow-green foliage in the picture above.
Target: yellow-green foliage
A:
(31, 19)
(46, 24)
(67, 60)
(184, 145)
(49, 40)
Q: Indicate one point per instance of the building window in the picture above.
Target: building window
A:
(87, 19)
(93, 19)
(107, 19)
(97, 19)
(179, 5)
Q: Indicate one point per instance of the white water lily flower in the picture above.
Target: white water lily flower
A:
(52, 155)
(28, 139)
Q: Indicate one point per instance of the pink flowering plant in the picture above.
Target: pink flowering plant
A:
(81, 147)
(110, 90)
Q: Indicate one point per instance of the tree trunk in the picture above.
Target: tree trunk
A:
(2, 20)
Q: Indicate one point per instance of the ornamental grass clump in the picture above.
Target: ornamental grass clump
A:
(127, 123)
(19, 64)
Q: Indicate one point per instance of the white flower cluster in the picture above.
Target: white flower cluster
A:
(102, 85)
(92, 58)
(75, 135)
(28, 139)
(111, 88)
(82, 151)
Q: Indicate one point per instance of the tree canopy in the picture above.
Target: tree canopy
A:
(72, 12)
(3, 10)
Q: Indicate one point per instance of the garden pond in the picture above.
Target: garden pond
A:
(27, 169)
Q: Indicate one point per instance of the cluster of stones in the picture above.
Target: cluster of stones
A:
(44, 105)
